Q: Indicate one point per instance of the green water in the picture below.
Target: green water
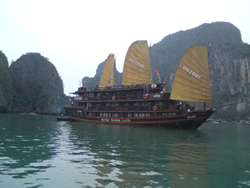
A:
(38, 151)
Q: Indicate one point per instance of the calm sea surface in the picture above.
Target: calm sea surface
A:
(38, 151)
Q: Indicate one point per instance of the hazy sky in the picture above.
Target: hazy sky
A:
(77, 35)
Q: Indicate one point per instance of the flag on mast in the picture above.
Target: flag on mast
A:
(156, 72)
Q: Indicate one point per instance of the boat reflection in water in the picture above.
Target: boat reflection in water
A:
(139, 156)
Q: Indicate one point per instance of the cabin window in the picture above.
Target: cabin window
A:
(129, 114)
(136, 114)
(157, 103)
(141, 114)
(164, 114)
(75, 103)
(144, 103)
(172, 114)
(137, 104)
(90, 94)
(88, 104)
(147, 114)
(102, 114)
(115, 115)
(110, 114)
(90, 114)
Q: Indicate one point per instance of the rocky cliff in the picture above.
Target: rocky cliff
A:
(6, 91)
(228, 63)
(229, 60)
(230, 82)
(37, 84)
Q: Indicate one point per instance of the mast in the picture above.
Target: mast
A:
(147, 89)
(159, 77)
(208, 53)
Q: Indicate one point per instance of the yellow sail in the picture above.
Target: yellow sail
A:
(191, 82)
(137, 65)
(108, 78)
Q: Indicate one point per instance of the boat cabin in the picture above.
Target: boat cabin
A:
(126, 101)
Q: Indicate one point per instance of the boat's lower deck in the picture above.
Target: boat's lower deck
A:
(189, 120)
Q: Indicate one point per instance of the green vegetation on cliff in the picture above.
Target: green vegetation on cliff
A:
(38, 86)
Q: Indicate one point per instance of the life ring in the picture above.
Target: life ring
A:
(145, 96)
(113, 97)
(155, 108)
(153, 86)
(86, 98)
(86, 108)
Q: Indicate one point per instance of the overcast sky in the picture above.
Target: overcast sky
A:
(77, 35)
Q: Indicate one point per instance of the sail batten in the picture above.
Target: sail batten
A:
(191, 82)
(137, 65)
(108, 78)
(201, 68)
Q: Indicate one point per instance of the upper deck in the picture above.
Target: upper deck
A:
(122, 93)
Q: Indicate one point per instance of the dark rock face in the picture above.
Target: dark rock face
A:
(6, 91)
(38, 86)
(230, 83)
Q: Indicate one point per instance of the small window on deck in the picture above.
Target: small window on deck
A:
(115, 115)
(141, 114)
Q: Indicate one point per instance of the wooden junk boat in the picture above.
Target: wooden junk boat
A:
(140, 102)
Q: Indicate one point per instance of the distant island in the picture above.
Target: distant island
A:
(30, 85)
